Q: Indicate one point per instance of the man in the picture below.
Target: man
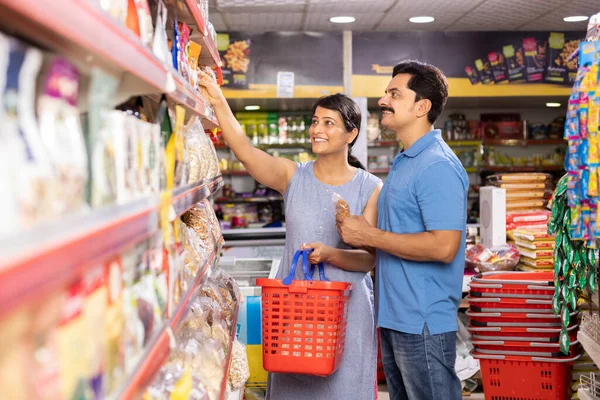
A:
(420, 240)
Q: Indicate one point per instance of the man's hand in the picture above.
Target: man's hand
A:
(353, 230)
(320, 254)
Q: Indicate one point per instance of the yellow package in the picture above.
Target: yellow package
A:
(593, 115)
(593, 183)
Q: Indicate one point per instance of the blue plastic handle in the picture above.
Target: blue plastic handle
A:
(307, 273)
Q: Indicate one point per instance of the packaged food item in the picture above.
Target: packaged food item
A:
(145, 21)
(239, 371)
(520, 177)
(114, 326)
(132, 19)
(557, 59)
(537, 263)
(533, 234)
(472, 74)
(515, 62)
(534, 217)
(535, 58)
(13, 355)
(481, 259)
(524, 204)
(43, 363)
(116, 8)
(183, 54)
(31, 170)
(341, 206)
(536, 254)
(540, 245)
(100, 140)
(175, 44)
(499, 72)
(61, 133)
(160, 42)
(485, 71)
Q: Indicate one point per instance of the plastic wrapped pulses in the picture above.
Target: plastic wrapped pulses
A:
(239, 371)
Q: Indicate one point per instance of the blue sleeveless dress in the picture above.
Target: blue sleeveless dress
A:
(310, 217)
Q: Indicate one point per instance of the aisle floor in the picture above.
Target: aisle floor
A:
(384, 395)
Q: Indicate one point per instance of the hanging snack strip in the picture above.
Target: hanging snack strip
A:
(574, 261)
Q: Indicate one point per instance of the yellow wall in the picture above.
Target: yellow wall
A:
(374, 86)
(265, 91)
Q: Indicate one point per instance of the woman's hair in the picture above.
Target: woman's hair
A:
(351, 116)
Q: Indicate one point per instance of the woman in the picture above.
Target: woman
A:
(310, 218)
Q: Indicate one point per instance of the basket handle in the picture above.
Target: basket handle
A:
(307, 273)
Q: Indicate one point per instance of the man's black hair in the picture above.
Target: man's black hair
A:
(428, 82)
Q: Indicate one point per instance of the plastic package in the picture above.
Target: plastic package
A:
(160, 43)
(341, 206)
(239, 371)
(145, 21)
(61, 133)
(502, 258)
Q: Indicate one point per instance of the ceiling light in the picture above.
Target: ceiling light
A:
(421, 20)
(553, 105)
(576, 18)
(342, 20)
(252, 108)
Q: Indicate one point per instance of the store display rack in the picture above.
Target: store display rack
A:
(524, 142)
(84, 33)
(61, 251)
(159, 348)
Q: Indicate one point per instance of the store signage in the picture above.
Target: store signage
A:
(285, 84)
(483, 57)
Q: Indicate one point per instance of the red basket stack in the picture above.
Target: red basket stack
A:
(515, 335)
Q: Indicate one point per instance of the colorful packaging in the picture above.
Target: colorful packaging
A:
(515, 62)
(557, 59)
(145, 21)
(485, 71)
(499, 72)
(472, 74)
(535, 58)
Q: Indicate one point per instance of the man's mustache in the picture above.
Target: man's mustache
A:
(387, 109)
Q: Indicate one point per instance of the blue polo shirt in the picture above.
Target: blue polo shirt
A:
(426, 190)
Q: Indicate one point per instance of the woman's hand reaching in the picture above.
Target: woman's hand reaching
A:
(209, 89)
(321, 253)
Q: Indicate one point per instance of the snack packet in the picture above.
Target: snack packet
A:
(341, 206)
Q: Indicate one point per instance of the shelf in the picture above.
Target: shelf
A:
(464, 143)
(537, 168)
(384, 143)
(584, 394)
(158, 350)
(36, 262)
(267, 199)
(230, 352)
(590, 346)
(207, 42)
(523, 142)
(471, 169)
(73, 29)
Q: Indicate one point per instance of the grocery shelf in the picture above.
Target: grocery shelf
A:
(471, 169)
(248, 199)
(384, 143)
(186, 197)
(230, 350)
(590, 346)
(158, 350)
(207, 42)
(524, 168)
(86, 34)
(36, 262)
(523, 142)
(464, 143)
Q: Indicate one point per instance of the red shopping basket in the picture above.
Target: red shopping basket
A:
(303, 322)
(526, 378)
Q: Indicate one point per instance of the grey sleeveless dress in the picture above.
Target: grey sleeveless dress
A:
(310, 217)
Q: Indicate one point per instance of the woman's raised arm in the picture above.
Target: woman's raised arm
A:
(273, 172)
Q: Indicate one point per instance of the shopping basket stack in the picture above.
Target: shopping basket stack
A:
(515, 335)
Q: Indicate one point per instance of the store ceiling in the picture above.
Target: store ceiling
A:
(392, 15)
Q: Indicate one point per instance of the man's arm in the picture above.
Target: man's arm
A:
(437, 246)
(441, 197)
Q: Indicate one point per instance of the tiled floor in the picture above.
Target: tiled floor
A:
(384, 395)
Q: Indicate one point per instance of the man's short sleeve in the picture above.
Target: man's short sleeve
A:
(441, 195)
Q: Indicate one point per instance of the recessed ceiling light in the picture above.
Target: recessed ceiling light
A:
(421, 20)
(553, 105)
(342, 20)
(576, 18)
(252, 108)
